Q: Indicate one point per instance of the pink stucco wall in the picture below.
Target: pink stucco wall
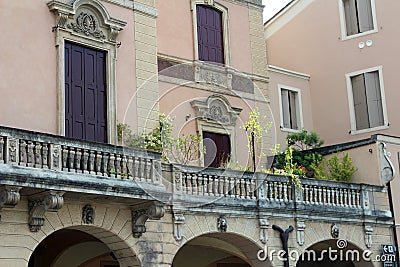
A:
(175, 34)
(28, 65)
(175, 102)
(317, 49)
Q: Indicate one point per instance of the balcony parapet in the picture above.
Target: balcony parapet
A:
(25, 150)
(269, 193)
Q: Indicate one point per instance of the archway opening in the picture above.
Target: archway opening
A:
(218, 250)
(68, 247)
(333, 253)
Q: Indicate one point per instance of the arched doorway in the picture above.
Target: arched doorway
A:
(219, 250)
(72, 247)
(333, 253)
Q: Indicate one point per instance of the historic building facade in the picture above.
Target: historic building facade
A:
(338, 77)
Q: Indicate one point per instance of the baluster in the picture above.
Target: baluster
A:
(135, 167)
(195, 183)
(91, 161)
(358, 202)
(85, 160)
(200, 187)
(270, 191)
(232, 185)
(225, 186)
(253, 189)
(319, 196)
(328, 196)
(99, 159)
(280, 193)
(124, 167)
(1, 149)
(151, 174)
(38, 152)
(55, 157)
(285, 195)
(22, 152)
(184, 182)
(118, 165)
(130, 168)
(104, 165)
(189, 183)
(65, 158)
(30, 155)
(305, 194)
(212, 185)
(346, 197)
(341, 194)
(324, 198)
(111, 165)
(353, 199)
(237, 187)
(248, 188)
(45, 154)
(71, 159)
(275, 185)
(241, 187)
(78, 160)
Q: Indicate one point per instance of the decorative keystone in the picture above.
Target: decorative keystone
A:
(334, 230)
(368, 235)
(301, 226)
(264, 225)
(222, 224)
(39, 204)
(141, 213)
(88, 214)
(179, 219)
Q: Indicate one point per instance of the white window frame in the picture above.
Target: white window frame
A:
(225, 27)
(343, 22)
(351, 101)
(299, 107)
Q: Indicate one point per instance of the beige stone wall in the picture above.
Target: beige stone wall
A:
(146, 68)
(158, 247)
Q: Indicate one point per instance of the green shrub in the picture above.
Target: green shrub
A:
(335, 168)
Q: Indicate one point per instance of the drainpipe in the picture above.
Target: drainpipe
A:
(396, 243)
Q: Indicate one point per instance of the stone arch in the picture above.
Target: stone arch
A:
(316, 232)
(333, 253)
(236, 245)
(244, 230)
(111, 225)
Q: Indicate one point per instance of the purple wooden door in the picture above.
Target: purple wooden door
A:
(218, 149)
(209, 34)
(85, 96)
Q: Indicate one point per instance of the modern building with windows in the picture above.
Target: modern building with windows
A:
(340, 55)
(72, 193)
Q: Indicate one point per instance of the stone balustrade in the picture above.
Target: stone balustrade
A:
(122, 171)
(278, 192)
(44, 151)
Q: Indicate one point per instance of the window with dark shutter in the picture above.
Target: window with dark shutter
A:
(217, 149)
(209, 34)
(85, 93)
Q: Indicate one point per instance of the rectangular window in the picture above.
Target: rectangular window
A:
(367, 105)
(291, 118)
(358, 16)
(367, 100)
(210, 34)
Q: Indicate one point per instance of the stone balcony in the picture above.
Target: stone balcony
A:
(33, 162)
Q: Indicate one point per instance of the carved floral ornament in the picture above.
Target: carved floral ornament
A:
(217, 109)
(88, 18)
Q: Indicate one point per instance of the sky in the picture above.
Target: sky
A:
(272, 7)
